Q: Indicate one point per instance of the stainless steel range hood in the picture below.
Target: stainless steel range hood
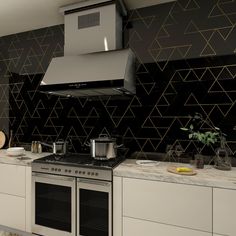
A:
(94, 63)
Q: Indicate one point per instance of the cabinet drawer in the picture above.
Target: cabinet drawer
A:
(140, 228)
(224, 211)
(12, 179)
(12, 211)
(176, 204)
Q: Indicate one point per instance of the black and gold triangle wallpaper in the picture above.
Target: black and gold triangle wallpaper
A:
(186, 63)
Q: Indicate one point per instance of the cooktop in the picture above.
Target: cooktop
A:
(79, 159)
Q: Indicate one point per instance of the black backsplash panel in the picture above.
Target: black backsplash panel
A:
(186, 63)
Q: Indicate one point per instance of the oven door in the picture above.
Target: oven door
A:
(94, 207)
(53, 205)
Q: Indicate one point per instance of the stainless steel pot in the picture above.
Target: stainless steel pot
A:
(58, 148)
(103, 147)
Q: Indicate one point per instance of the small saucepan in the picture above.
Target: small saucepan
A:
(59, 147)
(103, 147)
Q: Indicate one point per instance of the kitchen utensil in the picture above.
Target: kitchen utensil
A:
(15, 151)
(173, 169)
(10, 142)
(2, 139)
(103, 147)
(147, 162)
(59, 147)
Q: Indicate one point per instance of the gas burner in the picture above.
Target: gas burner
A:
(79, 159)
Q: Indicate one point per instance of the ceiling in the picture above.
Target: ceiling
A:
(19, 16)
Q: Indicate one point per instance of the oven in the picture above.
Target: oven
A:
(53, 205)
(94, 207)
(72, 196)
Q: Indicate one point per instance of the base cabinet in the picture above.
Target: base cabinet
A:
(182, 205)
(224, 212)
(153, 208)
(12, 211)
(140, 228)
(15, 197)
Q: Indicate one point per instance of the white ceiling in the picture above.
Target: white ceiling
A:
(23, 15)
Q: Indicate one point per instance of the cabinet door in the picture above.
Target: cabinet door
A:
(224, 211)
(12, 179)
(140, 228)
(117, 206)
(12, 211)
(175, 204)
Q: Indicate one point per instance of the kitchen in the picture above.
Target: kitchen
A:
(185, 63)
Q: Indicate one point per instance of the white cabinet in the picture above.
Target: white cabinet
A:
(12, 179)
(15, 196)
(224, 212)
(145, 207)
(117, 206)
(12, 212)
(174, 204)
(141, 227)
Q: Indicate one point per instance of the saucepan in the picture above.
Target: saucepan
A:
(59, 147)
(103, 147)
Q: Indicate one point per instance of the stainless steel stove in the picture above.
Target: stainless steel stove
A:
(77, 165)
(72, 195)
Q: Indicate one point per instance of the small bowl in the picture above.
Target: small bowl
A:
(15, 151)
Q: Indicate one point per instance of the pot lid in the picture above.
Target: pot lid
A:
(104, 138)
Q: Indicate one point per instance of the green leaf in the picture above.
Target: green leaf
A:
(210, 140)
(190, 136)
(199, 137)
(184, 129)
(191, 127)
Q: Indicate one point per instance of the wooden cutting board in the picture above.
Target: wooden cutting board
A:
(173, 170)
(2, 139)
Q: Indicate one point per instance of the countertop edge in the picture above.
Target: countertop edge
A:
(5, 159)
(207, 177)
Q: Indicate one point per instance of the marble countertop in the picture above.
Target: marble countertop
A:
(209, 176)
(5, 159)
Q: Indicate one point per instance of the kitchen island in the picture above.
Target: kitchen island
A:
(150, 200)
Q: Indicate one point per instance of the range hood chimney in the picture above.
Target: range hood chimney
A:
(94, 63)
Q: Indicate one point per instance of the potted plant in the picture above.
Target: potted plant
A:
(208, 137)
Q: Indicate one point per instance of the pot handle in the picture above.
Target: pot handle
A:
(60, 140)
(87, 144)
(103, 136)
(118, 146)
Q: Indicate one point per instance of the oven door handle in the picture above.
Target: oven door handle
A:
(54, 177)
(96, 182)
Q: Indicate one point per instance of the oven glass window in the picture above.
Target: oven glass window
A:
(53, 206)
(94, 213)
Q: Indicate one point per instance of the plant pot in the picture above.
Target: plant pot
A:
(199, 161)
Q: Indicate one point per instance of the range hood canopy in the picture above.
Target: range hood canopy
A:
(92, 65)
(94, 74)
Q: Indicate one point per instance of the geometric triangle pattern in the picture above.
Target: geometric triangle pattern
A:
(186, 63)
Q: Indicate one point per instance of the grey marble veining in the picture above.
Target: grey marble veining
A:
(209, 176)
(6, 159)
